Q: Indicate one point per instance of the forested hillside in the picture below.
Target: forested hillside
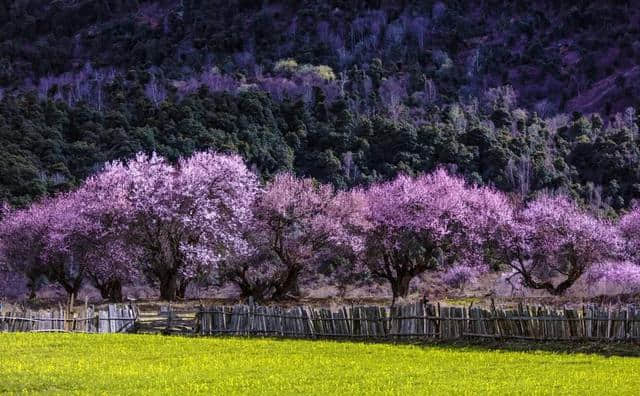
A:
(525, 96)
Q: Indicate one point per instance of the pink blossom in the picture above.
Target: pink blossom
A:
(551, 243)
(623, 276)
(297, 224)
(423, 223)
(459, 276)
(184, 218)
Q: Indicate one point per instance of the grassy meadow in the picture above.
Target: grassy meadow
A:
(147, 364)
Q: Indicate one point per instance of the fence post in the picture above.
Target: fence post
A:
(108, 319)
(438, 321)
(494, 315)
(467, 328)
(198, 324)
(169, 314)
(626, 323)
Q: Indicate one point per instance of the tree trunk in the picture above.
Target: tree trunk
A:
(254, 292)
(181, 292)
(168, 287)
(400, 286)
(32, 284)
(288, 286)
(111, 291)
(555, 290)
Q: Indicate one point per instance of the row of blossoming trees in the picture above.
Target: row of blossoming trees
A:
(209, 219)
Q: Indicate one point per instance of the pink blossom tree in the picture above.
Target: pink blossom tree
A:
(551, 243)
(65, 251)
(186, 218)
(12, 283)
(111, 261)
(418, 224)
(49, 239)
(297, 224)
(69, 238)
(629, 227)
(624, 273)
(172, 223)
(22, 242)
(614, 276)
(217, 193)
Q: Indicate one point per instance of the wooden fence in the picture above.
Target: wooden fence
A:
(167, 320)
(111, 319)
(423, 321)
(418, 321)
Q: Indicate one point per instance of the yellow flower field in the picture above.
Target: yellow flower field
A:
(146, 364)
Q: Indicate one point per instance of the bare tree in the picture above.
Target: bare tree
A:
(155, 92)
(417, 29)
(519, 174)
(392, 92)
(438, 10)
(350, 168)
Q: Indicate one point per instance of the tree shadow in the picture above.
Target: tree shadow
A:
(603, 348)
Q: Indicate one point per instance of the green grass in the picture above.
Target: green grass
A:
(132, 364)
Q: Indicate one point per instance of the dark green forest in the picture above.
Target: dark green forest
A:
(526, 97)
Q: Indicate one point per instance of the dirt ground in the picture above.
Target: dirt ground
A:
(489, 289)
